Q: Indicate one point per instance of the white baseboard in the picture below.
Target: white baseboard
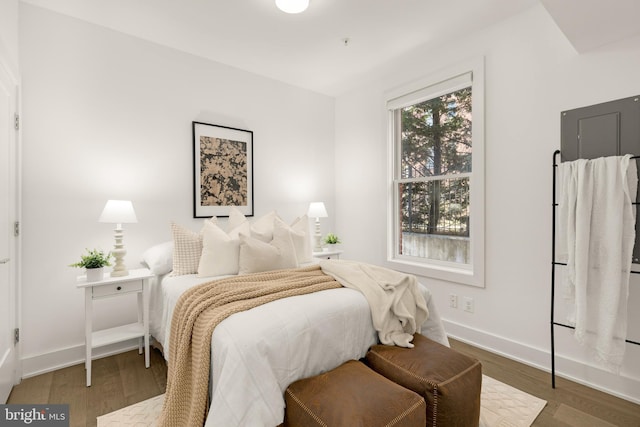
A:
(63, 358)
(621, 386)
(624, 387)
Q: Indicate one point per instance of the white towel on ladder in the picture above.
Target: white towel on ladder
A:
(596, 237)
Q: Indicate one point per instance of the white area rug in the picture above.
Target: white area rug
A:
(502, 406)
(141, 414)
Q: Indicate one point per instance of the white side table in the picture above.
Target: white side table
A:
(136, 282)
(334, 254)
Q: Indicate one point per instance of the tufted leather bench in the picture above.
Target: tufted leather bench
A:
(448, 380)
(352, 395)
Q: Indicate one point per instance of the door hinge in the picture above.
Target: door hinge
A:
(16, 228)
(17, 121)
(16, 336)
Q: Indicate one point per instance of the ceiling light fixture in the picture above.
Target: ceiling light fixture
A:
(292, 6)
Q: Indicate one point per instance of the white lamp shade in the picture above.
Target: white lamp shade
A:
(118, 212)
(317, 210)
(292, 6)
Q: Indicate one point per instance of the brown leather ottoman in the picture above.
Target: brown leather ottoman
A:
(449, 381)
(352, 395)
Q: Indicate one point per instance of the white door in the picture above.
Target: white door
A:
(8, 252)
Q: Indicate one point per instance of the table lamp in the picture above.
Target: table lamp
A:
(118, 212)
(317, 211)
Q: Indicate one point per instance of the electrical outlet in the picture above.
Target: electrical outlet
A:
(453, 300)
(468, 304)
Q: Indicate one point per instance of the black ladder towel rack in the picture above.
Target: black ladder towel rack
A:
(554, 205)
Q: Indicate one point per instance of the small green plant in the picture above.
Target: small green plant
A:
(331, 239)
(93, 259)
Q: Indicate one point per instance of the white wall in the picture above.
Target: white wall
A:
(532, 74)
(109, 116)
(9, 34)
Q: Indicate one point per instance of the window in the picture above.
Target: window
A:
(436, 208)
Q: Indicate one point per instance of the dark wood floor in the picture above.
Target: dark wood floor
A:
(122, 380)
(569, 404)
(117, 381)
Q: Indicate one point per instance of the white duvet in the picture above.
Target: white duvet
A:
(256, 354)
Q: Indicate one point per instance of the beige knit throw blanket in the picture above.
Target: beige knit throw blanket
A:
(197, 313)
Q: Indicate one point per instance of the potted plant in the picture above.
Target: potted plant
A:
(94, 262)
(332, 240)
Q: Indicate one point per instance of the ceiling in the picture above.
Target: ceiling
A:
(307, 49)
(590, 24)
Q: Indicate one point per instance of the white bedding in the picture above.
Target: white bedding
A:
(256, 354)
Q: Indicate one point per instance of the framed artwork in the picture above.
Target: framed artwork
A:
(222, 170)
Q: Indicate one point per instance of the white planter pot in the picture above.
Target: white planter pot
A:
(95, 274)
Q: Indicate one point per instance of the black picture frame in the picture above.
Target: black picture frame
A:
(222, 170)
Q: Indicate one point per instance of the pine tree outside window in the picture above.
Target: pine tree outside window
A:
(436, 214)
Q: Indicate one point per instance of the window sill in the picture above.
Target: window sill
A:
(449, 274)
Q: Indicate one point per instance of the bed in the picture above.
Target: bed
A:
(256, 354)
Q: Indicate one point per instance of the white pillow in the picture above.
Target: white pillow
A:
(261, 228)
(257, 256)
(220, 251)
(298, 239)
(303, 248)
(236, 218)
(187, 247)
(159, 258)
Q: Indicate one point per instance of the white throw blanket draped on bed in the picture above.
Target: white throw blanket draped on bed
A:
(397, 307)
(596, 238)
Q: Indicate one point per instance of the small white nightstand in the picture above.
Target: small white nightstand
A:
(334, 254)
(136, 282)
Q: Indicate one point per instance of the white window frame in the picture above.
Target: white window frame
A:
(445, 81)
